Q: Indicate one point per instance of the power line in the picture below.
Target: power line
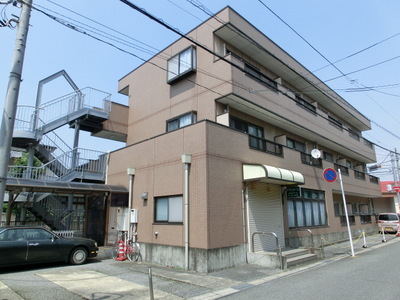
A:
(363, 69)
(307, 42)
(360, 51)
(83, 32)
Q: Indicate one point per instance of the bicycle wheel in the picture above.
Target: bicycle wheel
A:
(115, 249)
(132, 251)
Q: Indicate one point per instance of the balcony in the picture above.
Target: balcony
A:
(265, 146)
(307, 159)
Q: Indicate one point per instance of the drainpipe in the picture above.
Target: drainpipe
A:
(186, 160)
(244, 203)
(246, 195)
(131, 173)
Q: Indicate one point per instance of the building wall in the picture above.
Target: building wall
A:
(217, 213)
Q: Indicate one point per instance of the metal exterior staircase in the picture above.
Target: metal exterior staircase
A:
(84, 109)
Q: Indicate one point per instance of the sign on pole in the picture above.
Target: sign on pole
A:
(330, 175)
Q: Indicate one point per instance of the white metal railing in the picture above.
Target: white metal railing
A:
(60, 107)
(67, 104)
(53, 143)
(24, 118)
(278, 247)
(85, 161)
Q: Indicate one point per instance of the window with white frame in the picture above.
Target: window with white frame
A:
(181, 121)
(307, 210)
(168, 209)
(181, 64)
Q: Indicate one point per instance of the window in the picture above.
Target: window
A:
(256, 74)
(256, 133)
(181, 64)
(299, 146)
(306, 105)
(181, 121)
(168, 209)
(307, 210)
(328, 156)
(354, 134)
(335, 122)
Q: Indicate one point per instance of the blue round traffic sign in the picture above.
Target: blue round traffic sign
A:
(330, 175)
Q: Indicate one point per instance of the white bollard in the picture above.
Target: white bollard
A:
(365, 242)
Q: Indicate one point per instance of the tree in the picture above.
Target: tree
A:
(17, 170)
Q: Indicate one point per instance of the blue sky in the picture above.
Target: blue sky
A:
(337, 29)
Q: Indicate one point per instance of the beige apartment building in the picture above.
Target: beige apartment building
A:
(227, 136)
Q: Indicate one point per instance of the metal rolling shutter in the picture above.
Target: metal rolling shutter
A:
(265, 214)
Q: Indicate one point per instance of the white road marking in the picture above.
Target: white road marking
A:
(96, 285)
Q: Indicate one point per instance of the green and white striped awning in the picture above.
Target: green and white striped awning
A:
(271, 174)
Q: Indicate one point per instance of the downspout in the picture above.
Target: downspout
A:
(131, 172)
(244, 217)
(246, 195)
(186, 160)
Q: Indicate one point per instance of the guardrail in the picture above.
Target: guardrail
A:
(278, 247)
(78, 159)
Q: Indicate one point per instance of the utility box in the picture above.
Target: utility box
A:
(134, 216)
(122, 217)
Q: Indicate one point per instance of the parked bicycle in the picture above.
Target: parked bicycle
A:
(125, 248)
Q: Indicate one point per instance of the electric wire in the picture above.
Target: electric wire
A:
(307, 42)
(77, 29)
(363, 69)
(360, 51)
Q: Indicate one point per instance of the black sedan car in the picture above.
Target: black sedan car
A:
(20, 245)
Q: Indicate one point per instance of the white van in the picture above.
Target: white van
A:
(389, 222)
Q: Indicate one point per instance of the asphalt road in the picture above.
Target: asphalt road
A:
(372, 275)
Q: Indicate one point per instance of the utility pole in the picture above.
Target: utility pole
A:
(395, 166)
(10, 105)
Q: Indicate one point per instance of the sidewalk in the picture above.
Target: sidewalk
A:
(191, 285)
(172, 284)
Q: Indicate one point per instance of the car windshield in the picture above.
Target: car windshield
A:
(388, 217)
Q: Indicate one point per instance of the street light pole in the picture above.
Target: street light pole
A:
(10, 105)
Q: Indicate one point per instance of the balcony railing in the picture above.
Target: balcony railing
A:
(309, 160)
(373, 179)
(343, 169)
(359, 175)
(265, 146)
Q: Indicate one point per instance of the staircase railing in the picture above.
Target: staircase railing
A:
(24, 118)
(86, 161)
(60, 107)
(67, 104)
(53, 143)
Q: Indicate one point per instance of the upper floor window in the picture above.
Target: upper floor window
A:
(181, 121)
(354, 134)
(306, 105)
(255, 73)
(328, 156)
(299, 146)
(255, 132)
(335, 123)
(181, 64)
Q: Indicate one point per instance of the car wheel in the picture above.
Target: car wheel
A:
(78, 256)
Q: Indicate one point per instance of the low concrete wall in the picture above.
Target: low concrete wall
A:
(265, 259)
(200, 260)
(328, 238)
